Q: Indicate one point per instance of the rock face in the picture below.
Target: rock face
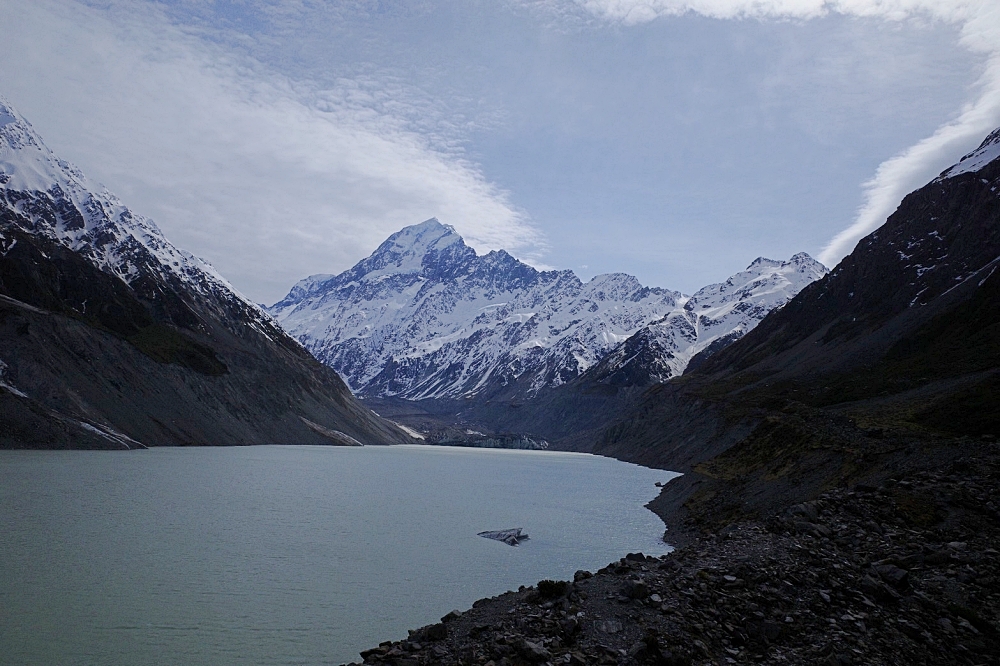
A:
(113, 337)
(426, 317)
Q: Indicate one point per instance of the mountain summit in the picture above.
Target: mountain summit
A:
(713, 318)
(426, 317)
(55, 200)
(426, 248)
(987, 152)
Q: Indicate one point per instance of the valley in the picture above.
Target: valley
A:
(836, 429)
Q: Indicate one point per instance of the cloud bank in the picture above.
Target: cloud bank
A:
(268, 178)
(894, 178)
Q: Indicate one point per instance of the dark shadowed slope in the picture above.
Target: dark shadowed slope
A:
(110, 337)
(876, 368)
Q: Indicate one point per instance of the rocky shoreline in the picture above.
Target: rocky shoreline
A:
(906, 572)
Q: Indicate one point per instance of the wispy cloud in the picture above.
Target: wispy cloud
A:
(641, 11)
(268, 178)
(894, 178)
(900, 174)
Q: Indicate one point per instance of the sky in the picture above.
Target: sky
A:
(675, 140)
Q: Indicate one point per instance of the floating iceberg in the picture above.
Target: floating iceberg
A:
(511, 537)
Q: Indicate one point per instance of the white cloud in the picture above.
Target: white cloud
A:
(641, 11)
(894, 178)
(267, 178)
(898, 176)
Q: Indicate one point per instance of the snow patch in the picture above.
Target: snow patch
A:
(988, 151)
(409, 431)
(112, 435)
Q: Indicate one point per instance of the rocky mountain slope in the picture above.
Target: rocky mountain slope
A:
(425, 317)
(899, 572)
(113, 337)
(870, 370)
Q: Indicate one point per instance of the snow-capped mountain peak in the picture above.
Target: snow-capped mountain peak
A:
(26, 163)
(987, 151)
(133, 339)
(714, 317)
(762, 277)
(426, 246)
(426, 317)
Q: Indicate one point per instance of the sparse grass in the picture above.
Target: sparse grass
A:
(773, 448)
(972, 411)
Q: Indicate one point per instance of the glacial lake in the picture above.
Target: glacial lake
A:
(287, 554)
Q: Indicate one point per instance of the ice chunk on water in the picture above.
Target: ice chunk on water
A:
(511, 537)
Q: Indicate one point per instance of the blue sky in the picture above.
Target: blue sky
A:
(675, 140)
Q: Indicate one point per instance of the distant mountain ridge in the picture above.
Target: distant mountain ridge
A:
(713, 318)
(111, 337)
(426, 317)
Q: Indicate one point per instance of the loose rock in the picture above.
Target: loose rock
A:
(906, 573)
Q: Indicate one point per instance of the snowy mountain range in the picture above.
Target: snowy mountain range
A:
(710, 320)
(426, 317)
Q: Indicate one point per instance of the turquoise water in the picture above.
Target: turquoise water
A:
(288, 555)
